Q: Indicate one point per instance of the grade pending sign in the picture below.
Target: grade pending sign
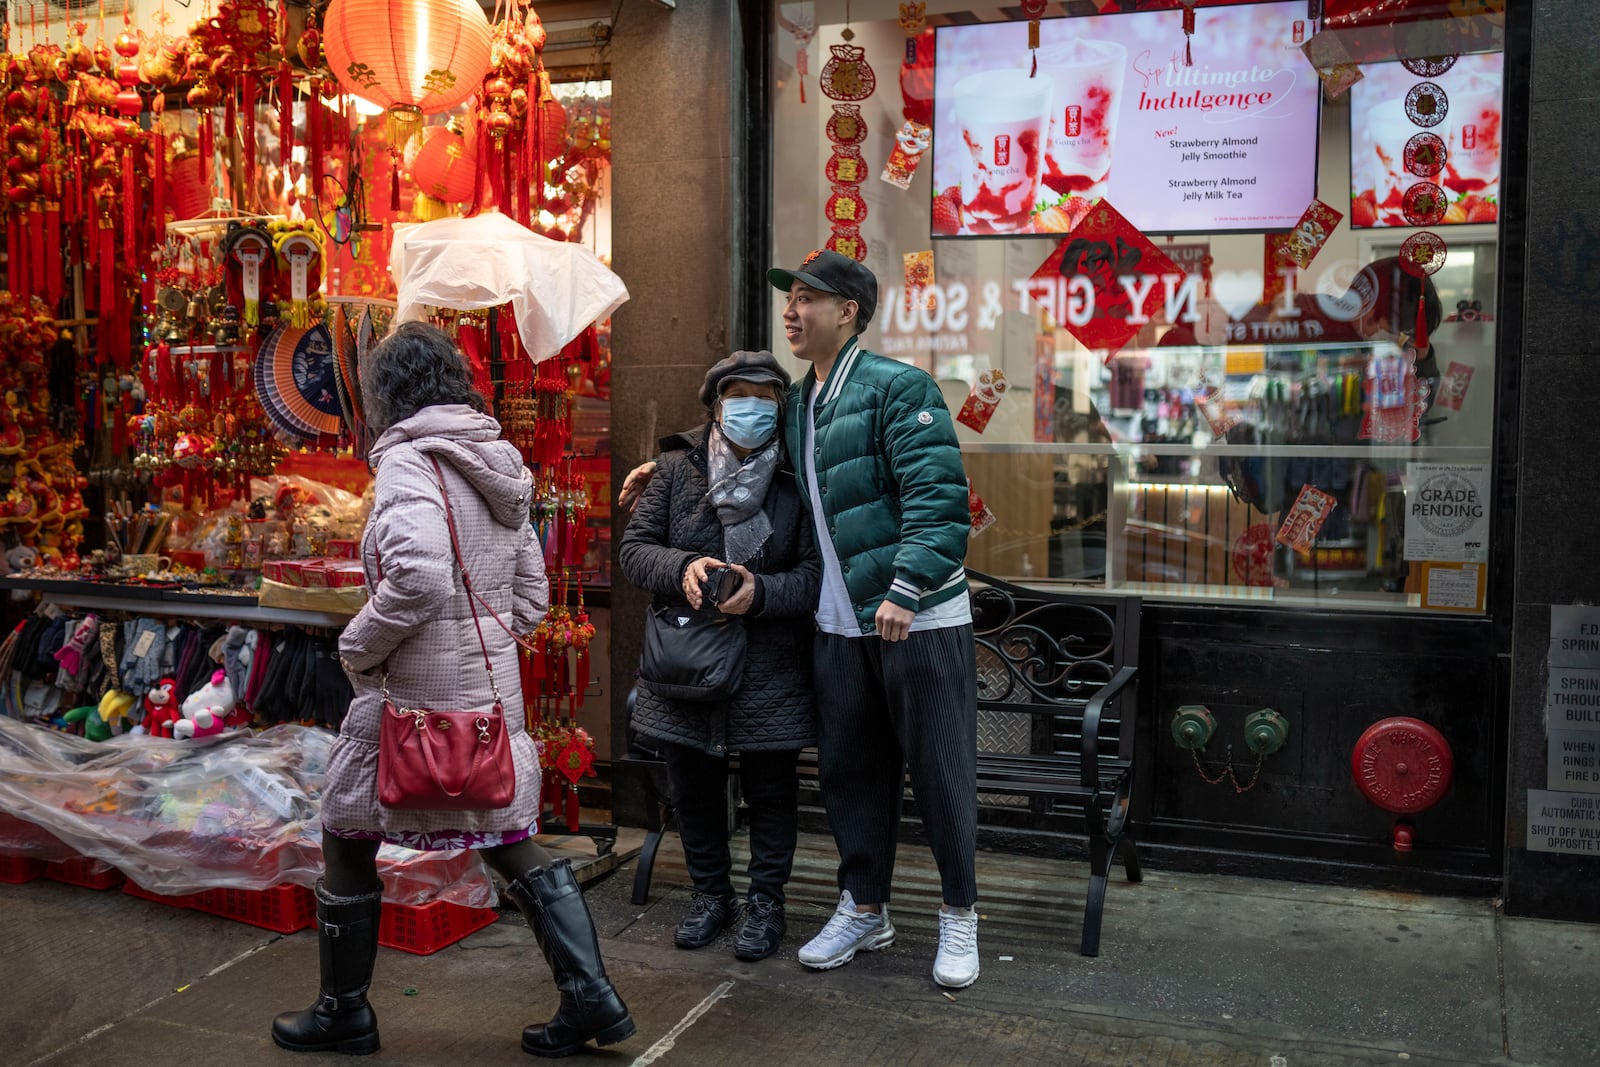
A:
(1447, 512)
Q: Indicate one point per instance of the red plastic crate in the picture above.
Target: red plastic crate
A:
(427, 928)
(14, 870)
(282, 908)
(85, 871)
(173, 900)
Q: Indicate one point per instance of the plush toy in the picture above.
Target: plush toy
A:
(207, 707)
(161, 708)
(88, 719)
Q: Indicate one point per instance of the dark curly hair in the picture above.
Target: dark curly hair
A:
(415, 367)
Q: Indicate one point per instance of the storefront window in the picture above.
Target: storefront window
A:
(1187, 411)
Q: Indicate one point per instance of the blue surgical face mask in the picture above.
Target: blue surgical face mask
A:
(749, 421)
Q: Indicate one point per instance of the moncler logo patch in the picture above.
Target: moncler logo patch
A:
(925, 418)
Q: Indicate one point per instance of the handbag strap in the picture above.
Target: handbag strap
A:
(466, 578)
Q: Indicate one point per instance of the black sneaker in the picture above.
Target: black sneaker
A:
(708, 916)
(761, 931)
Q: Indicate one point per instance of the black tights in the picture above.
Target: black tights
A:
(351, 865)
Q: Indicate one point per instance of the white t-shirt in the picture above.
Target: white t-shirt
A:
(835, 613)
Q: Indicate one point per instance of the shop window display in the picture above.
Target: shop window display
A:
(1254, 410)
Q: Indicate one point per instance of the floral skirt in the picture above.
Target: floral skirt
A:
(435, 840)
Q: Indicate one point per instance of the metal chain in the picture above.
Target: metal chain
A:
(1227, 771)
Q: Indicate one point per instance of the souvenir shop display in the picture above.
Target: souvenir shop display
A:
(194, 271)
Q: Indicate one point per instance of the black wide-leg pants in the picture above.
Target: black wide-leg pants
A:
(885, 709)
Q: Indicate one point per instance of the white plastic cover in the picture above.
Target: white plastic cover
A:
(556, 289)
(238, 810)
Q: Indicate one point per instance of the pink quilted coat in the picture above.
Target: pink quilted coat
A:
(416, 624)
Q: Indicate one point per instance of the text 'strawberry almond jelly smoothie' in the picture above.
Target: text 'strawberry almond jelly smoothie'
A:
(1002, 115)
(1083, 117)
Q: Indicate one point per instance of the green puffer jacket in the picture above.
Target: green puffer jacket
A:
(894, 494)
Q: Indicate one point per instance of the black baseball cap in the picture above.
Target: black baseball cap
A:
(832, 272)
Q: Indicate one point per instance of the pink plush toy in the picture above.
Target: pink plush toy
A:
(207, 708)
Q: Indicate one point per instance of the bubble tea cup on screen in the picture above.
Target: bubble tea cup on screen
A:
(1083, 118)
(1003, 116)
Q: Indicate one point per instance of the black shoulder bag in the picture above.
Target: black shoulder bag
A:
(691, 654)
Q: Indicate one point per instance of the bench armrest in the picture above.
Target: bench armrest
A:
(1090, 738)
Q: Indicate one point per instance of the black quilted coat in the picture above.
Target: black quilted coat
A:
(675, 524)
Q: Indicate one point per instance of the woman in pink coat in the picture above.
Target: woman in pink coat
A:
(417, 632)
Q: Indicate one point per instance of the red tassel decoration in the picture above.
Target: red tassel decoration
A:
(1422, 328)
(247, 129)
(285, 113)
(53, 274)
(158, 182)
(315, 114)
(394, 181)
(1188, 33)
(130, 212)
(208, 146)
(230, 115)
(37, 265)
(106, 265)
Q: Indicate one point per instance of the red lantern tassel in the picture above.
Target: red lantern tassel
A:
(247, 130)
(158, 183)
(314, 122)
(106, 264)
(285, 113)
(1422, 328)
(14, 255)
(53, 274)
(230, 114)
(394, 181)
(572, 808)
(208, 146)
(130, 212)
(37, 267)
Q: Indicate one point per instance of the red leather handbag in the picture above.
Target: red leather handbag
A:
(431, 760)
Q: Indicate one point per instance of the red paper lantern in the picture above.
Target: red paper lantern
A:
(444, 165)
(412, 57)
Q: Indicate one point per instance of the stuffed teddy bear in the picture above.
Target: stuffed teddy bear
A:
(207, 707)
(160, 709)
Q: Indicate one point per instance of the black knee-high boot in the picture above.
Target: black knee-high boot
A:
(341, 1019)
(552, 902)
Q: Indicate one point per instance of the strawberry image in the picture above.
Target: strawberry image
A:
(1363, 211)
(1484, 211)
(947, 211)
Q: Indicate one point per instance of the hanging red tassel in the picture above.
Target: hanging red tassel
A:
(13, 257)
(1422, 328)
(230, 114)
(247, 131)
(130, 212)
(53, 279)
(285, 113)
(1188, 33)
(106, 265)
(394, 181)
(38, 265)
(315, 116)
(208, 145)
(158, 182)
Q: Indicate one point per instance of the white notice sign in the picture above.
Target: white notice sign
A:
(1572, 701)
(1564, 822)
(1447, 512)
(1574, 761)
(1574, 636)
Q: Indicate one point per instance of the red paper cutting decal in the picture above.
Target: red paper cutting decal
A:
(1306, 516)
(982, 400)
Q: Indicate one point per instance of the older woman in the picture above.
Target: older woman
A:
(725, 497)
(417, 636)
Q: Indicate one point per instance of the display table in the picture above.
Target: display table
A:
(158, 600)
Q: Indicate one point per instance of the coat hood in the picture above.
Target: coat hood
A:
(468, 441)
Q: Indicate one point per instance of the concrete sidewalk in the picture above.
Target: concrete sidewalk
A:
(1194, 970)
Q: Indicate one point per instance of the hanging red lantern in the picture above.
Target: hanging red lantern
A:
(444, 165)
(412, 57)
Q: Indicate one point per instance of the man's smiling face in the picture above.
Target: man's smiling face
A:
(816, 323)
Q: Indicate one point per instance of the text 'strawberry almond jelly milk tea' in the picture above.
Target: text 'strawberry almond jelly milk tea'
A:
(1083, 116)
(1003, 115)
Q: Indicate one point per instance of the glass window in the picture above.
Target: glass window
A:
(1265, 432)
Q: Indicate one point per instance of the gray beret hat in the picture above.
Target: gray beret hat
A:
(761, 367)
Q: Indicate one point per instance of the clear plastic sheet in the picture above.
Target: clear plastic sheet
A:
(239, 810)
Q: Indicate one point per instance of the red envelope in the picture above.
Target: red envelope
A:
(1306, 516)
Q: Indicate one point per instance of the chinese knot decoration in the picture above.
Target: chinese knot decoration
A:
(847, 78)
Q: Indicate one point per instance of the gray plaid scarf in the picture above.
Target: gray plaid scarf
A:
(737, 492)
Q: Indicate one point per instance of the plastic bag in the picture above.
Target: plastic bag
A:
(239, 810)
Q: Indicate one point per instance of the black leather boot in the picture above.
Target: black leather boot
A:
(341, 1020)
(552, 902)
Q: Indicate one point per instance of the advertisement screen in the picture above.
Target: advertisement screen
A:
(1227, 143)
(1450, 170)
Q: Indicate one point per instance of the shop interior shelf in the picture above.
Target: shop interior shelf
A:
(427, 928)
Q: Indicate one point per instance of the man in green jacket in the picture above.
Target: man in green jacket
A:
(895, 676)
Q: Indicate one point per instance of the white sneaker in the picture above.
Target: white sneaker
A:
(956, 965)
(846, 933)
